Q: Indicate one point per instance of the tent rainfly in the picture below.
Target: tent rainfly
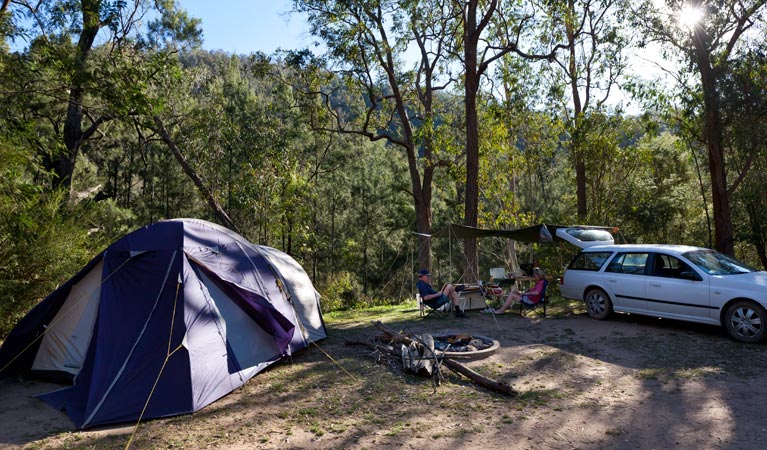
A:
(166, 320)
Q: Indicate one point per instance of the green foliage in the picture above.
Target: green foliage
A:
(338, 291)
(658, 201)
(173, 26)
(744, 105)
(43, 240)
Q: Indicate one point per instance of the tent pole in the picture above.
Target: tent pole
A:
(411, 264)
(450, 251)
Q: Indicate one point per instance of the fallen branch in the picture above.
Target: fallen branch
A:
(455, 366)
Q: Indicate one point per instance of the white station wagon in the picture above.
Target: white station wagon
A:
(671, 281)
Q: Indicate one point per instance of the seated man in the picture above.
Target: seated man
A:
(436, 299)
(530, 297)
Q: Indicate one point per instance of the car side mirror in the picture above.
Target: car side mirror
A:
(689, 275)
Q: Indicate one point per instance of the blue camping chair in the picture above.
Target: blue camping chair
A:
(426, 310)
(524, 309)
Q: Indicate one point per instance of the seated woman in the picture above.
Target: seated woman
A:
(435, 299)
(530, 297)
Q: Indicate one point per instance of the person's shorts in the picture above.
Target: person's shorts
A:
(437, 302)
(526, 300)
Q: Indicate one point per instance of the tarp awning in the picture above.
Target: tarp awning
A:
(537, 233)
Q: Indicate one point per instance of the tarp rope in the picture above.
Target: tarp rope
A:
(334, 361)
(304, 333)
(303, 329)
(168, 354)
(58, 319)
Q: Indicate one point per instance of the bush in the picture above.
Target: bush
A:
(44, 239)
(338, 291)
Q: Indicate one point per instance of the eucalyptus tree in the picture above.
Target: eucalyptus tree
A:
(245, 158)
(585, 73)
(393, 53)
(92, 52)
(518, 141)
(521, 166)
(487, 31)
(706, 36)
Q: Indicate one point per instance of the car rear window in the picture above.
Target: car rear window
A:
(589, 235)
(589, 261)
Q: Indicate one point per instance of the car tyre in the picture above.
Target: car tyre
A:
(598, 304)
(746, 321)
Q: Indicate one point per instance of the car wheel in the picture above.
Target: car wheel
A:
(598, 304)
(746, 321)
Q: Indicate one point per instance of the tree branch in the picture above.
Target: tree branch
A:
(192, 174)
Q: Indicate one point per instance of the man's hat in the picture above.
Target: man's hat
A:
(423, 272)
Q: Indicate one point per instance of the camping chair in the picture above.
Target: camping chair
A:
(425, 310)
(525, 309)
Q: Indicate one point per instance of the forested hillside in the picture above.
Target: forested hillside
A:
(418, 114)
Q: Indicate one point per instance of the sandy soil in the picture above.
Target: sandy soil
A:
(626, 383)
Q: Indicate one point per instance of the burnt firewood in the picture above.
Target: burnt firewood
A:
(392, 336)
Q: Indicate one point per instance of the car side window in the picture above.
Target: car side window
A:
(630, 263)
(667, 266)
(589, 261)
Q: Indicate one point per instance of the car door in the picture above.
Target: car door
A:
(675, 290)
(582, 272)
(626, 281)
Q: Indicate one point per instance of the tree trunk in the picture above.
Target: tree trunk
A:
(713, 137)
(580, 187)
(422, 193)
(471, 209)
(63, 165)
(217, 210)
(471, 81)
(576, 145)
(423, 224)
(720, 200)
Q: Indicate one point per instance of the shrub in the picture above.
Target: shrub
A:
(338, 291)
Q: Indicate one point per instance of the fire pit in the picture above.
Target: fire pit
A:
(465, 346)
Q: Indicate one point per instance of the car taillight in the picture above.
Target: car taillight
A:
(562, 279)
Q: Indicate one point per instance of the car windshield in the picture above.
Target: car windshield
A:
(715, 263)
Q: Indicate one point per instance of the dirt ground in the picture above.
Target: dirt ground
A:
(626, 383)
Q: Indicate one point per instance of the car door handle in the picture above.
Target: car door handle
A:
(612, 281)
(655, 284)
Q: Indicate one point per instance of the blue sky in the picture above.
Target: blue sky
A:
(243, 27)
